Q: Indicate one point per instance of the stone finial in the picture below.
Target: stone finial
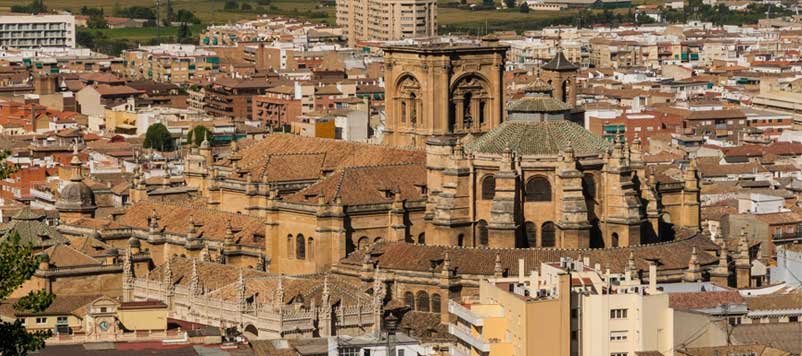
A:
(205, 255)
(192, 228)
(568, 154)
(194, 283)
(325, 293)
(241, 290)
(228, 241)
(168, 275)
(498, 272)
(128, 272)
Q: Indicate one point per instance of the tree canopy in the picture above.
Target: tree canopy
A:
(158, 138)
(18, 264)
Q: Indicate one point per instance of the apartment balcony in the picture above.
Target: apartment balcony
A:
(464, 313)
(467, 337)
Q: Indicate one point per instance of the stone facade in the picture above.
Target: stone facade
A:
(442, 89)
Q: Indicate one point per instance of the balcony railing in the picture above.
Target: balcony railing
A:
(465, 335)
(464, 314)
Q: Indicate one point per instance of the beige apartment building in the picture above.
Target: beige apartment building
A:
(387, 20)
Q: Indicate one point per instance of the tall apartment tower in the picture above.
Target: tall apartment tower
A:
(442, 89)
(387, 20)
(36, 31)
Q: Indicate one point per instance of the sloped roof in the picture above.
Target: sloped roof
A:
(538, 104)
(481, 261)
(559, 63)
(32, 229)
(539, 138)
(367, 185)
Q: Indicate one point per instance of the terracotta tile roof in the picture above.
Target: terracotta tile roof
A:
(775, 301)
(784, 336)
(481, 261)
(710, 169)
(338, 154)
(211, 224)
(367, 185)
(704, 300)
(62, 305)
(780, 218)
(756, 350)
(67, 256)
(112, 90)
(290, 167)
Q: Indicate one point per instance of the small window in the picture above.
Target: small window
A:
(538, 189)
(488, 187)
(618, 335)
(618, 313)
(41, 320)
(61, 320)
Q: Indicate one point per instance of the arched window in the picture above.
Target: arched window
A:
(435, 303)
(482, 113)
(423, 301)
(409, 239)
(461, 240)
(290, 250)
(467, 115)
(488, 187)
(589, 186)
(566, 88)
(378, 239)
(403, 111)
(409, 300)
(300, 247)
(538, 189)
(531, 234)
(422, 238)
(481, 230)
(310, 248)
(363, 242)
(547, 232)
(614, 240)
(413, 110)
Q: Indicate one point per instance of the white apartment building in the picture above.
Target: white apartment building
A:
(35, 31)
(387, 20)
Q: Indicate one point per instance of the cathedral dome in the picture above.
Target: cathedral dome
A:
(76, 196)
(548, 137)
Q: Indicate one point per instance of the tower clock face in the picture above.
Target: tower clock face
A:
(104, 325)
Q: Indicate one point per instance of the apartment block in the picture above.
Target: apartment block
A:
(387, 20)
(35, 31)
(170, 63)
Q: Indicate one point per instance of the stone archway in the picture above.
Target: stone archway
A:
(469, 103)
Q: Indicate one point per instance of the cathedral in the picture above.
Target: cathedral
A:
(460, 167)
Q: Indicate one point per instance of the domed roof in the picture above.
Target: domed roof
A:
(559, 63)
(548, 137)
(538, 86)
(76, 196)
(538, 104)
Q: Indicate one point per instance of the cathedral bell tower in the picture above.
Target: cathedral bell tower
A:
(439, 89)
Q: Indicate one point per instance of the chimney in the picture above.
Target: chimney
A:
(653, 278)
(521, 275)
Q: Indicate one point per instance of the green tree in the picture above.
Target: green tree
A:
(187, 16)
(231, 5)
(524, 7)
(510, 4)
(198, 134)
(97, 21)
(17, 264)
(246, 6)
(158, 138)
(488, 3)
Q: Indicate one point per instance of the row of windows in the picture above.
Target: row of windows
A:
(303, 247)
(421, 302)
(536, 189)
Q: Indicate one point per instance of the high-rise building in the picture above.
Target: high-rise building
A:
(34, 31)
(387, 20)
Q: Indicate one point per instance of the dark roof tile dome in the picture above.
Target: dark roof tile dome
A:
(547, 137)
